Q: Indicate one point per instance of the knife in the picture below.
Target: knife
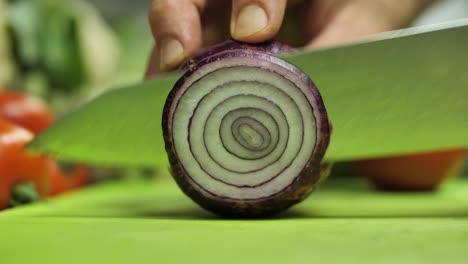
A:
(399, 92)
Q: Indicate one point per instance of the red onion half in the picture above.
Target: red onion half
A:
(245, 131)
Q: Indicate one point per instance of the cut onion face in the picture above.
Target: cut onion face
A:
(245, 131)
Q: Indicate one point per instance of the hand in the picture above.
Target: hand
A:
(181, 27)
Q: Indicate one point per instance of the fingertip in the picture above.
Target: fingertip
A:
(256, 21)
(176, 28)
(172, 53)
(251, 19)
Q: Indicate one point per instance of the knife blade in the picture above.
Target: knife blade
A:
(400, 92)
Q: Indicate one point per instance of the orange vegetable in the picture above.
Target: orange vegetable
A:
(416, 172)
(32, 113)
(27, 111)
(62, 181)
(24, 176)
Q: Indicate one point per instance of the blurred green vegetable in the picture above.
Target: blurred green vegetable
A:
(6, 62)
(61, 48)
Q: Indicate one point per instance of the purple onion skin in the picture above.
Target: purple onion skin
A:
(312, 173)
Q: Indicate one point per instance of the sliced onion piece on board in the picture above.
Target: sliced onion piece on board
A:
(245, 131)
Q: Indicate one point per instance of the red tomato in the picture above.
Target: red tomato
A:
(33, 114)
(63, 182)
(417, 172)
(18, 166)
(29, 112)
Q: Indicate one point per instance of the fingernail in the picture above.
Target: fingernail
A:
(171, 53)
(251, 19)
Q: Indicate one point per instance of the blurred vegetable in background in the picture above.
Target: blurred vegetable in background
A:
(24, 176)
(65, 180)
(61, 50)
(6, 61)
(26, 111)
(416, 172)
(64, 52)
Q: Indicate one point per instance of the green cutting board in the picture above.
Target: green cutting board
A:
(153, 222)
